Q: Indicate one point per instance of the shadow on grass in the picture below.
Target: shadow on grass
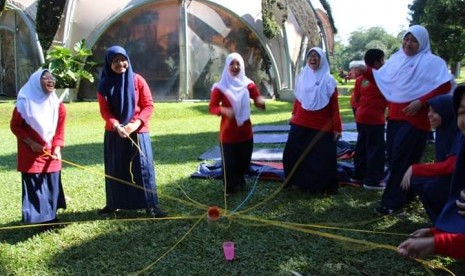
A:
(278, 107)
(116, 247)
(168, 149)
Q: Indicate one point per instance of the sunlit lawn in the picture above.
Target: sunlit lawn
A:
(275, 231)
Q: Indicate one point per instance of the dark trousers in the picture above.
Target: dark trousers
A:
(433, 193)
(370, 155)
(315, 172)
(405, 145)
(236, 163)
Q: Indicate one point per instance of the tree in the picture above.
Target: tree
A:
(446, 27)
(48, 16)
(359, 42)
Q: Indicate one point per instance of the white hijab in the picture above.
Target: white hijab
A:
(235, 89)
(38, 108)
(406, 78)
(314, 89)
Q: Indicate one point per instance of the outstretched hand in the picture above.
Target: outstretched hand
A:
(405, 184)
(419, 245)
(416, 247)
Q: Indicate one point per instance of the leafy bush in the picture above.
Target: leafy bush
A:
(69, 66)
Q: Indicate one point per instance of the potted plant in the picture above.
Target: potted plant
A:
(69, 67)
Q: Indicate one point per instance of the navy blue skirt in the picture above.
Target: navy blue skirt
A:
(124, 161)
(42, 196)
(315, 172)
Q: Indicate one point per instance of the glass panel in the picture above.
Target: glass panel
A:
(212, 35)
(25, 56)
(150, 35)
(7, 64)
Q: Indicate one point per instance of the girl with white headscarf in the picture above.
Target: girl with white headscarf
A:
(38, 122)
(411, 77)
(230, 99)
(309, 157)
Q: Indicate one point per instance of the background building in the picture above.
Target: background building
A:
(179, 46)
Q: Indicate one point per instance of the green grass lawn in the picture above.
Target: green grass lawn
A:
(275, 231)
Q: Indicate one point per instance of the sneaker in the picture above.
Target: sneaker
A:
(106, 211)
(51, 225)
(386, 211)
(156, 212)
(379, 186)
(355, 181)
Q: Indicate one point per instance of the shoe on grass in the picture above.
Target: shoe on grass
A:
(106, 211)
(382, 210)
(380, 186)
(356, 181)
(156, 212)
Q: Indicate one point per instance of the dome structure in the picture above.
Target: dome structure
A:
(178, 46)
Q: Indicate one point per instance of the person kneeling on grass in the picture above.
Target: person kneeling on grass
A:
(447, 238)
(431, 181)
(428, 241)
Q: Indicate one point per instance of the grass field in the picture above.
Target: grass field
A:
(275, 232)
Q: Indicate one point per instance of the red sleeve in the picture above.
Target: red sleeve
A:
(105, 111)
(445, 167)
(254, 94)
(441, 89)
(17, 126)
(356, 93)
(215, 102)
(295, 106)
(336, 115)
(449, 244)
(22, 130)
(145, 101)
(59, 138)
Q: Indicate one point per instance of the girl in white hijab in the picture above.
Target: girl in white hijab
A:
(309, 157)
(411, 77)
(406, 77)
(38, 122)
(230, 99)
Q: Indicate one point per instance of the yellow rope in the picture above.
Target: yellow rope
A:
(287, 225)
(371, 245)
(172, 248)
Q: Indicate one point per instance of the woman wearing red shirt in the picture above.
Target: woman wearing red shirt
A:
(410, 77)
(126, 105)
(38, 123)
(230, 99)
(309, 157)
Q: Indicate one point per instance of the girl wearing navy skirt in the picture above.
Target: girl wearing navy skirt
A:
(38, 123)
(126, 105)
(309, 157)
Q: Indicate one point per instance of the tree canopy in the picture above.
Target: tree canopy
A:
(446, 26)
(359, 42)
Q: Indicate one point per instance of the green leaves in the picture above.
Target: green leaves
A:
(69, 66)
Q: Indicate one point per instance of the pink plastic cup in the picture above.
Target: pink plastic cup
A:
(228, 250)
